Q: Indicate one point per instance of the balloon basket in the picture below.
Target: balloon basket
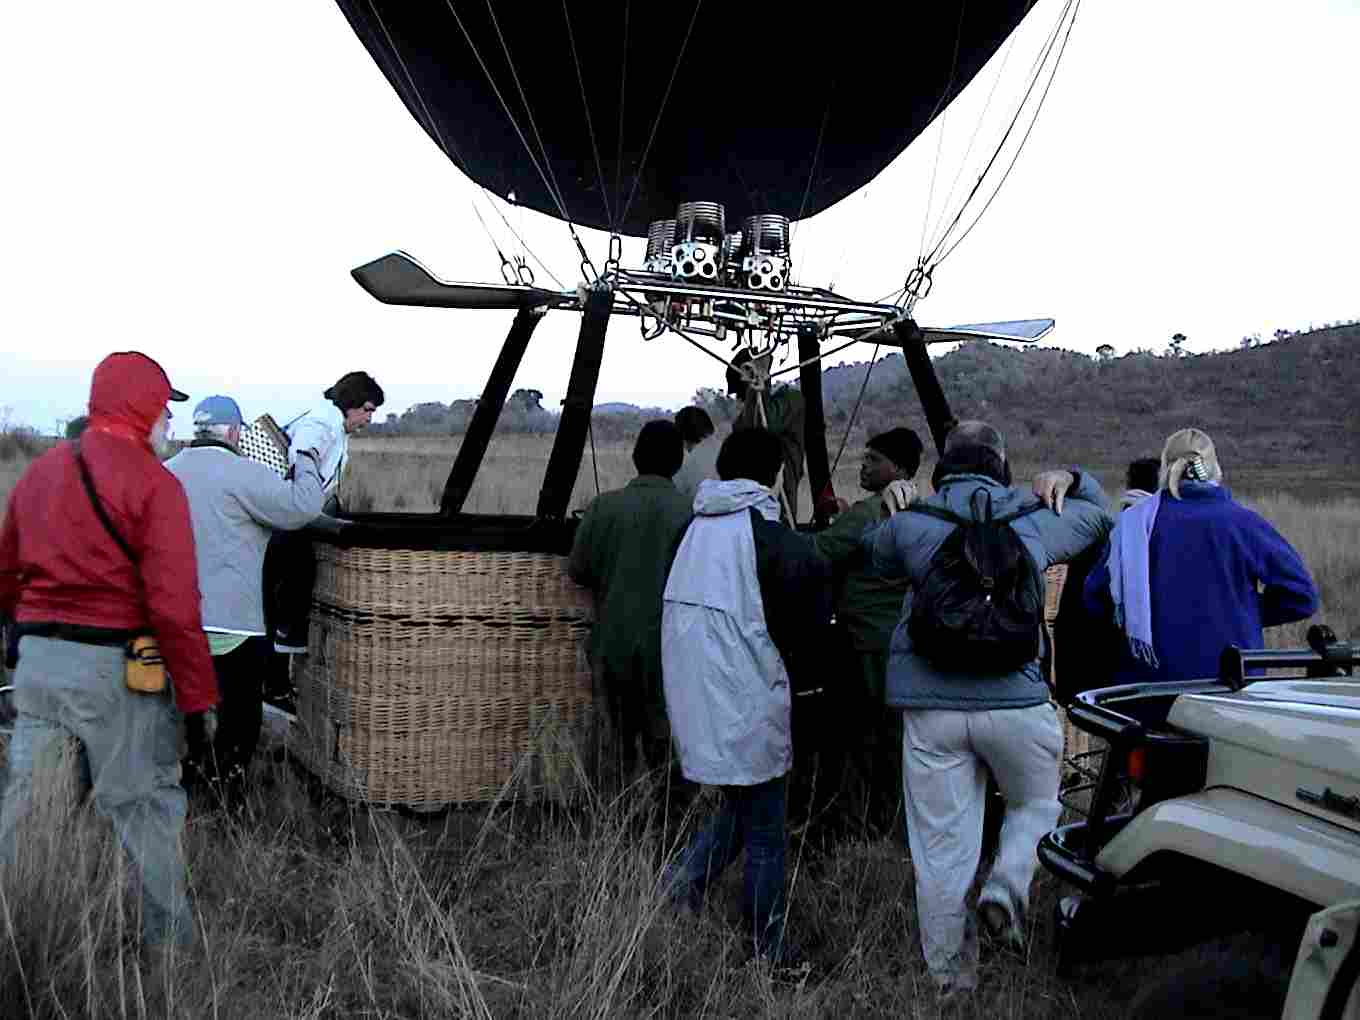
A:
(441, 673)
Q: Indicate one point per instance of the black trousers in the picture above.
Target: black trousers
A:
(240, 713)
(289, 576)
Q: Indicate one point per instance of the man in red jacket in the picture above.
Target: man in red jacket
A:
(79, 589)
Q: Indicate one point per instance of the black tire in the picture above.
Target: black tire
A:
(1244, 978)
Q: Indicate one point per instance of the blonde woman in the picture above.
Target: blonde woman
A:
(1190, 571)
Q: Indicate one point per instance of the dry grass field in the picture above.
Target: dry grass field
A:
(308, 907)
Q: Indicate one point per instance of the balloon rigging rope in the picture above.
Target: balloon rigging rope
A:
(623, 97)
(453, 153)
(977, 129)
(656, 121)
(854, 414)
(590, 124)
(550, 185)
(1075, 6)
(533, 123)
(934, 258)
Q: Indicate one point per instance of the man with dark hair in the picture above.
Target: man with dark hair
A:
(96, 552)
(783, 414)
(855, 729)
(973, 698)
(289, 564)
(620, 553)
(746, 603)
(701, 450)
(1141, 480)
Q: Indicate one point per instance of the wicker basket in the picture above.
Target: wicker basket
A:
(435, 676)
(1077, 752)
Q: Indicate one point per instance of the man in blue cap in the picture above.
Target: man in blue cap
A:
(236, 505)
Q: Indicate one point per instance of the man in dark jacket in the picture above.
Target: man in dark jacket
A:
(747, 603)
(620, 553)
(79, 598)
(962, 720)
(859, 736)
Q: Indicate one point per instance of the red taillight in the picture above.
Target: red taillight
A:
(1137, 764)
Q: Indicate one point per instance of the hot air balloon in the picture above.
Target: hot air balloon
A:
(706, 128)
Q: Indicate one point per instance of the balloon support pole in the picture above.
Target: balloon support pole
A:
(912, 340)
(814, 421)
(572, 428)
(488, 412)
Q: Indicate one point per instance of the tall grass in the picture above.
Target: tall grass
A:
(308, 907)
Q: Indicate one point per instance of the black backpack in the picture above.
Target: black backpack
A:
(981, 605)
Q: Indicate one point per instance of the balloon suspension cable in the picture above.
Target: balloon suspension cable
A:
(656, 121)
(854, 414)
(939, 252)
(544, 168)
(451, 151)
(590, 123)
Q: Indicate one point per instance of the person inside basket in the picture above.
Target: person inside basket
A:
(1190, 571)
(237, 505)
(780, 409)
(289, 565)
(746, 603)
(84, 570)
(620, 553)
(972, 693)
(858, 736)
(701, 450)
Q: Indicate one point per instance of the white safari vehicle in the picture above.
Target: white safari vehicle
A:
(1223, 807)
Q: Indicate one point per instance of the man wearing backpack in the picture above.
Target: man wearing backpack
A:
(964, 669)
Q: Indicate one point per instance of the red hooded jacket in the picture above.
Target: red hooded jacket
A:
(58, 564)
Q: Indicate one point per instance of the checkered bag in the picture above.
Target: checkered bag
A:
(266, 443)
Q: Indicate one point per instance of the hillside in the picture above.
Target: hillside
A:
(1283, 411)
(1283, 414)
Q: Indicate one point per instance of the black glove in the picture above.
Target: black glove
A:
(200, 730)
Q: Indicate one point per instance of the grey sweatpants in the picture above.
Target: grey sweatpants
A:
(946, 756)
(131, 747)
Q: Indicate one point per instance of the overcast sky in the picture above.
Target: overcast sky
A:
(196, 180)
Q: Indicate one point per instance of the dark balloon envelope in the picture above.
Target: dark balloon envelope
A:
(767, 111)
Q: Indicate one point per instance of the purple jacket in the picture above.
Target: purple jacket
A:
(1219, 575)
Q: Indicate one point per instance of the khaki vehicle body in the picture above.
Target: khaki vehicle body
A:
(1220, 806)
(1276, 749)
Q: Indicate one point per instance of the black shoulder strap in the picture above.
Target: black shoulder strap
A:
(99, 507)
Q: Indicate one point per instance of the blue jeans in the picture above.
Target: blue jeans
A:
(751, 818)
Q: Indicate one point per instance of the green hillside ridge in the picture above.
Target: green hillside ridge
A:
(1281, 414)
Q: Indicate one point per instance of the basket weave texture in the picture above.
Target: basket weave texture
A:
(434, 677)
(1075, 742)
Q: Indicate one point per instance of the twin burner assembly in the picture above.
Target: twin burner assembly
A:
(696, 246)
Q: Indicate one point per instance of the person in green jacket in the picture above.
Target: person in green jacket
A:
(860, 738)
(621, 552)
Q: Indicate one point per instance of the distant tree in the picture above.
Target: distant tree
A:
(1177, 346)
(1104, 352)
(1251, 340)
(1283, 334)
